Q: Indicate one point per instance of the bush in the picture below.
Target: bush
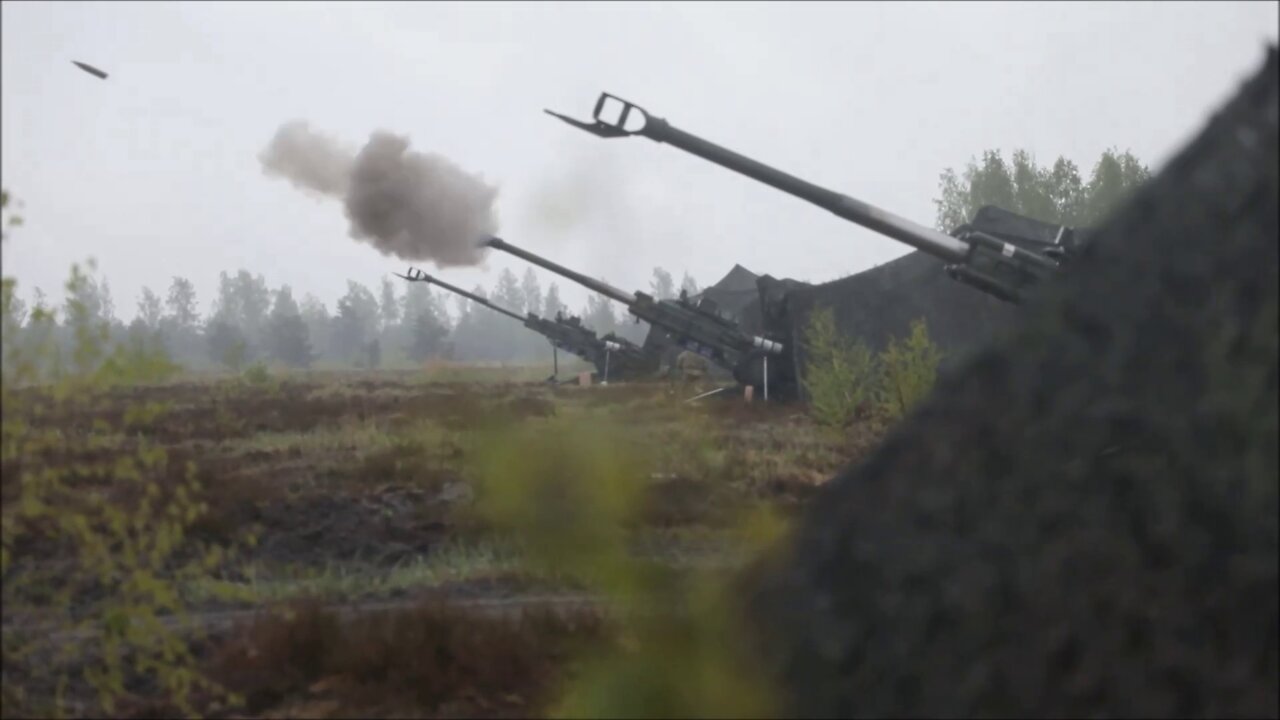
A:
(843, 378)
(138, 360)
(840, 375)
(908, 369)
(257, 374)
(94, 552)
(96, 573)
(94, 541)
(570, 488)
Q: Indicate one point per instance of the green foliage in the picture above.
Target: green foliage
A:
(257, 374)
(599, 315)
(427, 337)
(908, 369)
(552, 305)
(840, 373)
(389, 305)
(1114, 177)
(150, 309)
(181, 303)
(82, 317)
(94, 567)
(508, 293)
(31, 354)
(243, 302)
(355, 321)
(843, 377)
(140, 359)
(569, 489)
(289, 338)
(12, 315)
(532, 291)
(290, 342)
(1053, 194)
(94, 548)
(567, 472)
(11, 220)
(227, 345)
(105, 609)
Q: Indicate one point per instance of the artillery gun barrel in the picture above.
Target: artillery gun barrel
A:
(568, 335)
(873, 218)
(419, 276)
(599, 286)
(717, 338)
(681, 318)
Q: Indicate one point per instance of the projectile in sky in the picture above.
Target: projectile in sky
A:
(90, 69)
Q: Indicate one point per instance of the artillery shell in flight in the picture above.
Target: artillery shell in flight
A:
(89, 69)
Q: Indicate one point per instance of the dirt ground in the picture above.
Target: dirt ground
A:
(349, 500)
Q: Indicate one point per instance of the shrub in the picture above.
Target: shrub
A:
(908, 370)
(94, 542)
(97, 573)
(138, 360)
(257, 374)
(569, 488)
(840, 374)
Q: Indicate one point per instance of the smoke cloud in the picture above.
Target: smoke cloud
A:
(602, 202)
(412, 205)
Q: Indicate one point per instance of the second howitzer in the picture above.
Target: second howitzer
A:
(999, 252)
(754, 360)
(614, 357)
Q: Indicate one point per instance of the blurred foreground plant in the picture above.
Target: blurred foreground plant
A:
(569, 488)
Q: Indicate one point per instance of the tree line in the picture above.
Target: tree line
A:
(400, 323)
(845, 380)
(408, 323)
(1053, 193)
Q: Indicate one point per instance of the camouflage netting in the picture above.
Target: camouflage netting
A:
(881, 303)
(1082, 521)
(734, 294)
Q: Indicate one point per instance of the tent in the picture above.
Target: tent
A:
(733, 294)
(881, 303)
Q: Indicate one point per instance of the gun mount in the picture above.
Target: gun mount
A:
(998, 252)
(695, 327)
(613, 357)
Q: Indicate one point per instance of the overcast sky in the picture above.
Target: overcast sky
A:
(154, 171)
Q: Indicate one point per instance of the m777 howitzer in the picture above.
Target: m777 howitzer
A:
(612, 356)
(999, 252)
(697, 328)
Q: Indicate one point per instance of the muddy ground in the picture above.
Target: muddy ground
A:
(359, 490)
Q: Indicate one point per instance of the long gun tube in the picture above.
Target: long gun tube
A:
(419, 276)
(715, 337)
(599, 286)
(938, 244)
(564, 335)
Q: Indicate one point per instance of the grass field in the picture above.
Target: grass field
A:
(334, 555)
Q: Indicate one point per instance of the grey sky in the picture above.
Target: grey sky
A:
(154, 171)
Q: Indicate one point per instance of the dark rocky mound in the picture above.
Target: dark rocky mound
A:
(1082, 522)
